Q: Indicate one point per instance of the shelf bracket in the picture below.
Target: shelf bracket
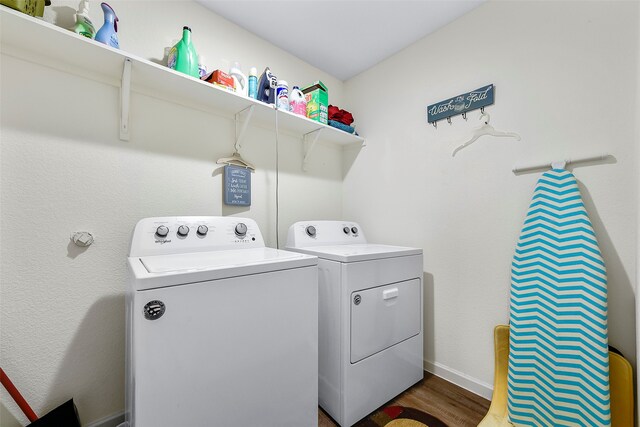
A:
(308, 146)
(125, 99)
(243, 128)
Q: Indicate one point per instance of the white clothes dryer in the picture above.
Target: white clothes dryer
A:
(370, 317)
(221, 330)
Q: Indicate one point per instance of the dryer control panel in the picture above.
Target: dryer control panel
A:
(322, 233)
(185, 234)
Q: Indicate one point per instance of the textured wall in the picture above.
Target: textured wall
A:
(566, 76)
(64, 169)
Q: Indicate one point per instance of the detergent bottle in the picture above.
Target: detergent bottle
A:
(239, 79)
(297, 102)
(84, 26)
(183, 56)
(253, 83)
(108, 33)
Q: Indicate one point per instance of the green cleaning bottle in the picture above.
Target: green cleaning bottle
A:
(84, 26)
(183, 56)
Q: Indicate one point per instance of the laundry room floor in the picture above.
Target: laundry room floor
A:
(454, 405)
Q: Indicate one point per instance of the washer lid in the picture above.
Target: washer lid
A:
(358, 252)
(166, 270)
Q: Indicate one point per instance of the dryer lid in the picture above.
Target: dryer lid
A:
(358, 252)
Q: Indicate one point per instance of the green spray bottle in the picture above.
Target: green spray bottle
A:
(183, 56)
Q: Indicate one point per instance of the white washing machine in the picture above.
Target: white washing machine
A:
(370, 317)
(221, 330)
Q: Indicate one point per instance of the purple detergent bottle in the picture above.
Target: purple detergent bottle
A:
(108, 33)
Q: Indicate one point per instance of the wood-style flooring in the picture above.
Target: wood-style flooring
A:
(454, 405)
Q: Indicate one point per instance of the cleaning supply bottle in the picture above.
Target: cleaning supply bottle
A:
(282, 95)
(84, 26)
(183, 56)
(297, 102)
(108, 33)
(253, 83)
(239, 79)
(202, 68)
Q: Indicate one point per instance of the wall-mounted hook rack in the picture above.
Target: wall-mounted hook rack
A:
(460, 104)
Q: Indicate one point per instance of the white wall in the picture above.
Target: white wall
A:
(566, 78)
(64, 169)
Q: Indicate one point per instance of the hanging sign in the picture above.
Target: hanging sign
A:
(460, 104)
(237, 186)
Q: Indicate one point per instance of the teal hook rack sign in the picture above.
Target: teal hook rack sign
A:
(461, 104)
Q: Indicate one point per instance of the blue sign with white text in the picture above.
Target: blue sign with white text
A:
(461, 104)
(237, 186)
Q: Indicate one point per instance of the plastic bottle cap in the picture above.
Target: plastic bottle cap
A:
(295, 87)
(253, 72)
(283, 83)
(186, 28)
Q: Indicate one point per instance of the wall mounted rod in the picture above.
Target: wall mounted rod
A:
(567, 162)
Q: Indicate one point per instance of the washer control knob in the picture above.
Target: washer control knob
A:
(346, 230)
(162, 231)
(311, 231)
(241, 229)
(354, 230)
(202, 230)
(183, 230)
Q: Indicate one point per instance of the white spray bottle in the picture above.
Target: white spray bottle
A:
(239, 79)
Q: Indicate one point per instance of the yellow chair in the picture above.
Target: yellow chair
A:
(620, 379)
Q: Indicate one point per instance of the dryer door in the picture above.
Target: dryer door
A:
(384, 316)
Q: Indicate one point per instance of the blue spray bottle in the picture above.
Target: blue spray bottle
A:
(108, 33)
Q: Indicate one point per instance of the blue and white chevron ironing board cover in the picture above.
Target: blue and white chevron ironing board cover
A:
(558, 346)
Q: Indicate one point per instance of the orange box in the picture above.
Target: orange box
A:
(220, 78)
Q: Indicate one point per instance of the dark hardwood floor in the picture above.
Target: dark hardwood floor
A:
(454, 405)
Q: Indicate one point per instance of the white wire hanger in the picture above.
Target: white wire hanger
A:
(485, 129)
(235, 160)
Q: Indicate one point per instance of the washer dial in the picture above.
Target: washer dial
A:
(202, 230)
(162, 231)
(183, 230)
(354, 230)
(241, 230)
(346, 230)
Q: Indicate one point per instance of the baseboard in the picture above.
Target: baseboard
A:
(110, 421)
(460, 379)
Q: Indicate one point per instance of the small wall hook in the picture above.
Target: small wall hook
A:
(449, 120)
(464, 115)
(435, 125)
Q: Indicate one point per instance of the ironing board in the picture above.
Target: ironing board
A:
(558, 372)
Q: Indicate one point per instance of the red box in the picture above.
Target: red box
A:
(220, 78)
